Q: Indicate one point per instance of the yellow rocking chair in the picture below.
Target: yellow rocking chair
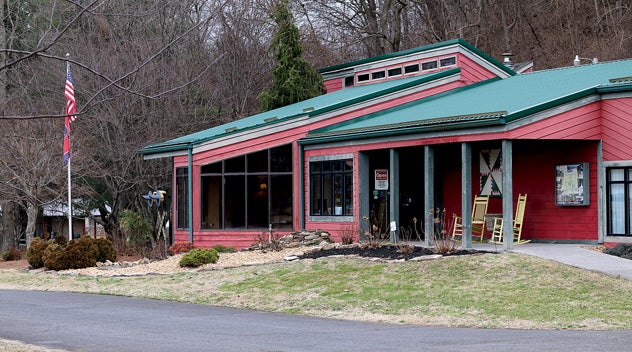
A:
(479, 210)
(497, 233)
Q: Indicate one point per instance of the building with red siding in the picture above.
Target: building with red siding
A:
(401, 134)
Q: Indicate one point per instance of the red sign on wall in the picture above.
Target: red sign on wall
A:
(381, 179)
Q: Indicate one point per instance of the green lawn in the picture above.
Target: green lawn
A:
(507, 290)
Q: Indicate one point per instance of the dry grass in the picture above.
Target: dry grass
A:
(488, 291)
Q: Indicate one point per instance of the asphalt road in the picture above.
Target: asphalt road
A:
(81, 322)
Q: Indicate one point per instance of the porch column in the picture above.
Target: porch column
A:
(507, 165)
(466, 194)
(394, 193)
(363, 193)
(429, 170)
(190, 191)
(601, 196)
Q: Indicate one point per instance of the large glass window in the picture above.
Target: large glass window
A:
(251, 191)
(182, 197)
(619, 194)
(331, 187)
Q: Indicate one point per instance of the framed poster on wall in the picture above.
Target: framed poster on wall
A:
(491, 175)
(572, 184)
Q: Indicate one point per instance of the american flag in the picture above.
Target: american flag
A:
(71, 109)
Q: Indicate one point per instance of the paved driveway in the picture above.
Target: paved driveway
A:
(83, 322)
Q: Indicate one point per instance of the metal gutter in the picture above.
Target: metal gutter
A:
(471, 121)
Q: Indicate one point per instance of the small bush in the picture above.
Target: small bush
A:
(348, 234)
(79, 253)
(199, 256)
(623, 250)
(53, 259)
(224, 249)
(11, 254)
(446, 245)
(105, 250)
(180, 247)
(35, 254)
(61, 240)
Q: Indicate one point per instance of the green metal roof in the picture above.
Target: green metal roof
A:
(495, 101)
(310, 107)
(460, 42)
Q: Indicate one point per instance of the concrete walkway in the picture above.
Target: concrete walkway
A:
(572, 254)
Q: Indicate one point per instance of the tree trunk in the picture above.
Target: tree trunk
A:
(8, 234)
(32, 212)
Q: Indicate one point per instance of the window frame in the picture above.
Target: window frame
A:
(182, 197)
(345, 175)
(627, 193)
(262, 176)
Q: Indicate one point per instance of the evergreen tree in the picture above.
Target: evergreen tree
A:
(294, 79)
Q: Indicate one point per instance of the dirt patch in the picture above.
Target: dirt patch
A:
(14, 264)
(386, 252)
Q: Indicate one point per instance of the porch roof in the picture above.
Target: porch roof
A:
(310, 107)
(491, 102)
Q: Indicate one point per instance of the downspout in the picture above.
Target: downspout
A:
(301, 182)
(190, 192)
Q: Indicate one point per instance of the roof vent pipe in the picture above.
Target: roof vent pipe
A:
(507, 60)
(578, 60)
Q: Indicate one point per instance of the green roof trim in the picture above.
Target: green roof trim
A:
(511, 98)
(310, 107)
(420, 49)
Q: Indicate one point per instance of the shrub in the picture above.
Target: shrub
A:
(53, 257)
(105, 250)
(180, 247)
(35, 254)
(79, 253)
(268, 240)
(623, 250)
(61, 240)
(224, 249)
(348, 234)
(11, 254)
(199, 256)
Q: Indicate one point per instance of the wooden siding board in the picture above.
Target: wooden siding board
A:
(332, 85)
(570, 124)
(617, 129)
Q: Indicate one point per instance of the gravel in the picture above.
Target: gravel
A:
(170, 265)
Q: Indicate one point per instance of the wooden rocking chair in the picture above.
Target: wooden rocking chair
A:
(497, 233)
(479, 210)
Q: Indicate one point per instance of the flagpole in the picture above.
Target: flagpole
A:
(69, 179)
(69, 204)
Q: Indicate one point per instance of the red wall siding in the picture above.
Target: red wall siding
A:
(332, 85)
(581, 123)
(534, 165)
(534, 174)
(617, 129)
(472, 72)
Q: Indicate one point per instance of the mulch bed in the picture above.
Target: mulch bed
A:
(388, 252)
